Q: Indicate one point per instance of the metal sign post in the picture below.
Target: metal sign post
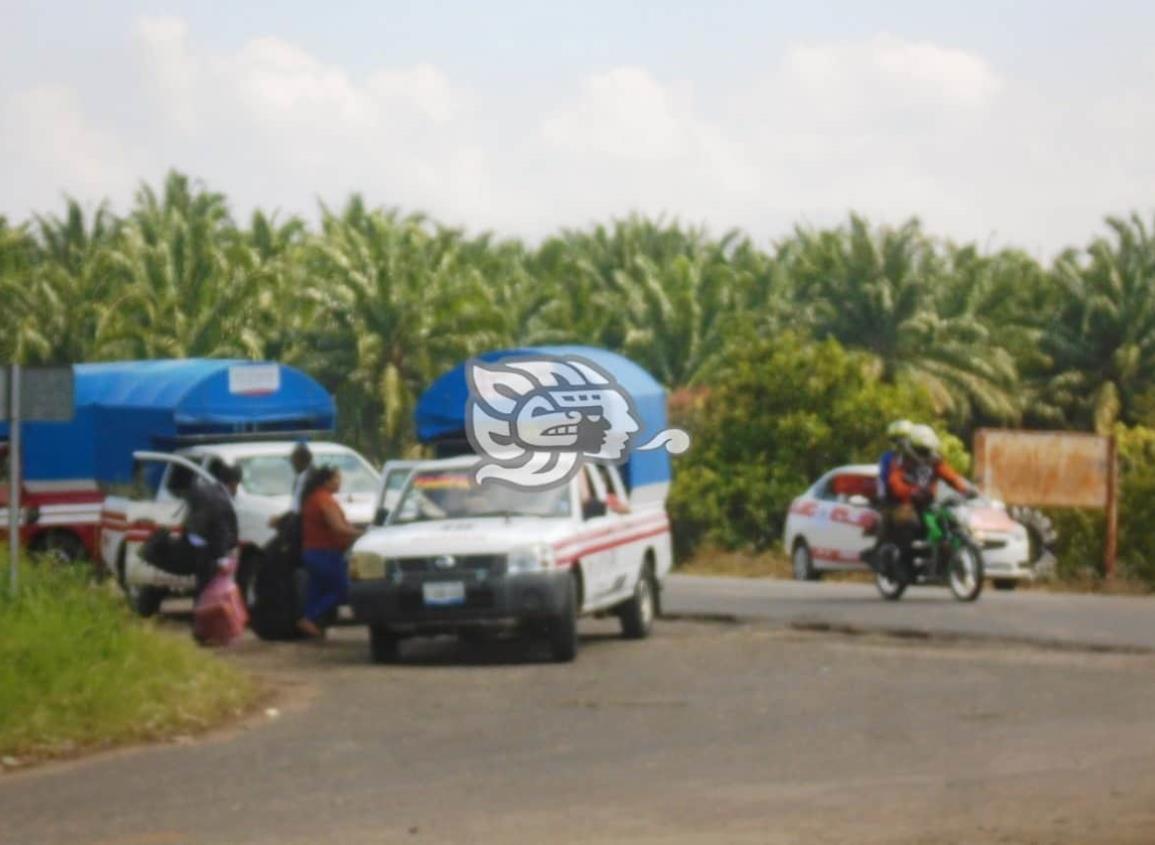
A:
(35, 394)
(14, 474)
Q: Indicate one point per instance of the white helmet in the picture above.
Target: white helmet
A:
(924, 443)
(899, 430)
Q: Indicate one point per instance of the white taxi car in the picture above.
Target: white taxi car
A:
(456, 557)
(826, 529)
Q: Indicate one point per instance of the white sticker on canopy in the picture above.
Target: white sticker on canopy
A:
(254, 379)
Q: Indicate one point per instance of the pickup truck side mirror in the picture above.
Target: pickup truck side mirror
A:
(381, 515)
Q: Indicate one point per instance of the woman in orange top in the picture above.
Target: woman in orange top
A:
(325, 535)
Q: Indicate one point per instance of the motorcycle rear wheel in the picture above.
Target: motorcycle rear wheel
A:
(888, 578)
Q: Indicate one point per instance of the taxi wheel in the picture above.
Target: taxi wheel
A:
(803, 563)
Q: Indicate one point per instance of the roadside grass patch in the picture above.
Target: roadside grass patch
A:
(737, 564)
(78, 671)
(769, 563)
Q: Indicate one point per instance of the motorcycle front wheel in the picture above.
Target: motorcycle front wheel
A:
(965, 572)
(888, 572)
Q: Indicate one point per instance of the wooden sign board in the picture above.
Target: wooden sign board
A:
(1052, 469)
(1044, 468)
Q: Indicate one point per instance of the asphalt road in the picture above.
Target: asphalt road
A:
(707, 732)
(1109, 622)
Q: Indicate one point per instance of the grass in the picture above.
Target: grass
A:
(737, 564)
(78, 671)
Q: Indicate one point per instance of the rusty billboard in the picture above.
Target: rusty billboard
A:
(1045, 468)
(1051, 469)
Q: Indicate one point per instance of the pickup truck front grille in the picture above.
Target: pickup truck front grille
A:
(449, 564)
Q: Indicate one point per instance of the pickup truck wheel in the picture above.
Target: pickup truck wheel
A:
(145, 601)
(637, 614)
(384, 645)
(562, 628)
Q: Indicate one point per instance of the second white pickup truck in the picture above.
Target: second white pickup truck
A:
(455, 557)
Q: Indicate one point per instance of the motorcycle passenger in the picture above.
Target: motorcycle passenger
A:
(913, 480)
(897, 434)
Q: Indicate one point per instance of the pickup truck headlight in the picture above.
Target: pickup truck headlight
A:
(536, 558)
(366, 565)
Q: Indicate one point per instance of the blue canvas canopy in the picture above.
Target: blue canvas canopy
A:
(128, 406)
(440, 412)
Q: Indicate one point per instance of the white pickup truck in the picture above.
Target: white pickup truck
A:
(265, 491)
(455, 557)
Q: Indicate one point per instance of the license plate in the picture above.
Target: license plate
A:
(444, 593)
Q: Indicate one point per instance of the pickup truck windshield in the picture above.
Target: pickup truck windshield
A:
(452, 494)
(272, 475)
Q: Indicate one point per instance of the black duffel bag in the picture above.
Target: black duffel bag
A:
(278, 587)
(170, 553)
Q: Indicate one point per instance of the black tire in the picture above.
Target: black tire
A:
(637, 613)
(146, 601)
(1007, 584)
(61, 546)
(562, 628)
(802, 563)
(966, 587)
(384, 645)
(888, 578)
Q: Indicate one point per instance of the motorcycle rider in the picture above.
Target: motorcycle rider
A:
(911, 485)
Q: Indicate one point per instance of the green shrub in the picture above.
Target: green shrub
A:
(780, 412)
(77, 670)
(1081, 533)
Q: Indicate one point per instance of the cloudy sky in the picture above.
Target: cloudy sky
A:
(1004, 122)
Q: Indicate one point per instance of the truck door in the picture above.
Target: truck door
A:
(595, 546)
(627, 557)
(394, 474)
(128, 521)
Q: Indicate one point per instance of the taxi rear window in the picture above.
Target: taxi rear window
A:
(854, 485)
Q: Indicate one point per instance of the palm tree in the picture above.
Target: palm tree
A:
(62, 300)
(884, 292)
(398, 306)
(192, 284)
(1102, 337)
(665, 296)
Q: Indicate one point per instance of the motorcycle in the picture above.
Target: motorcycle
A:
(946, 555)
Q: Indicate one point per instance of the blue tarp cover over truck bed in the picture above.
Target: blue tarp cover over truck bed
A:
(440, 412)
(127, 406)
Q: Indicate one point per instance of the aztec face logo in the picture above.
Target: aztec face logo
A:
(537, 419)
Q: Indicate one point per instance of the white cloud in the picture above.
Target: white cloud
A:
(49, 141)
(887, 126)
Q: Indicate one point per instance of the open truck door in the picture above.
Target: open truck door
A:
(128, 520)
(394, 476)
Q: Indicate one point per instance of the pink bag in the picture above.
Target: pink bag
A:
(220, 615)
